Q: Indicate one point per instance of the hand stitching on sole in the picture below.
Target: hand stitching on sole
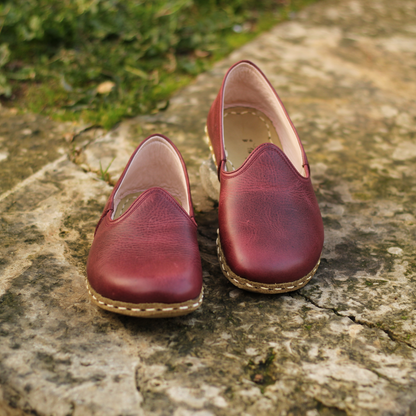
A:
(254, 286)
(124, 308)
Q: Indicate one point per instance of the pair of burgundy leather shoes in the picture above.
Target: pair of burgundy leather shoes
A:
(144, 260)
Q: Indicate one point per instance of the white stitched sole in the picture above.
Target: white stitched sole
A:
(145, 310)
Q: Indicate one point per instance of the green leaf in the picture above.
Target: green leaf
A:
(136, 71)
(5, 87)
(4, 54)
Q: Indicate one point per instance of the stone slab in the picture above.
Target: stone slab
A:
(343, 345)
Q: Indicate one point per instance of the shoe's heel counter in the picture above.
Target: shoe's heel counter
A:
(214, 130)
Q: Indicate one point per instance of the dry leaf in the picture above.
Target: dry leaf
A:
(201, 54)
(105, 87)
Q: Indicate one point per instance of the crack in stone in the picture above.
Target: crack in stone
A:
(388, 332)
(75, 155)
(336, 410)
(84, 130)
(354, 319)
(367, 324)
(136, 378)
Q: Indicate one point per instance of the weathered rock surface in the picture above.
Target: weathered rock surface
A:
(343, 345)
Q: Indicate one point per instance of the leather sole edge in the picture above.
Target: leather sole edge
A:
(145, 310)
(266, 288)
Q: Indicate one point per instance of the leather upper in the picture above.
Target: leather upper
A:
(270, 225)
(149, 254)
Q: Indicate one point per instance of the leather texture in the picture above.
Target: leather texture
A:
(150, 253)
(270, 224)
(269, 220)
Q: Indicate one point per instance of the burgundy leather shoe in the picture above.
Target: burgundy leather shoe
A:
(144, 260)
(270, 233)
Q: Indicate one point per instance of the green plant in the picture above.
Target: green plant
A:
(56, 55)
(104, 175)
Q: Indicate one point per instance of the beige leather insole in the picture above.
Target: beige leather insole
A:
(246, 128)
(128, 200)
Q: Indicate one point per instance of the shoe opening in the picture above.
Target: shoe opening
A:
(155, 164)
